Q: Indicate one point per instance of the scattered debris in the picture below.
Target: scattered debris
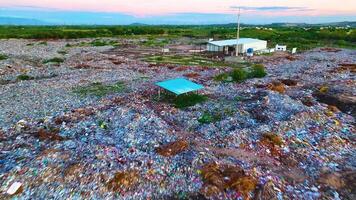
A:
(15, 188)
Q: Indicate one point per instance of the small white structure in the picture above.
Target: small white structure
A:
(281, 47)
(229, 46)
(165, 50)
(294, 50)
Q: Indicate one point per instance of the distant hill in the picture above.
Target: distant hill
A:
(335, 24)
(21, 21)
(138, 24)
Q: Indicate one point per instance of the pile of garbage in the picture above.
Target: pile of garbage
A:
(266, 138)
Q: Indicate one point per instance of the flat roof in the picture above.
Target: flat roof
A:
(179, 86)
(234, 42)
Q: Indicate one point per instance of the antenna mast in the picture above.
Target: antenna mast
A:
(238, 33)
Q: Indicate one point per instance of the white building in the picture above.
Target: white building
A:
(229, 46)
(281, 47)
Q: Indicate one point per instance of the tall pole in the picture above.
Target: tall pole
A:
(238, 33)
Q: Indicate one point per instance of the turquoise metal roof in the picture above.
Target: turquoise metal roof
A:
(179, 86)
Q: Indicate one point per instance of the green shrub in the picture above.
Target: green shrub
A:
(184, 100)
(208, 118)
(24, 77)
(187, 100)
(54, 60)
(239, 75)
(3, 57)
(98, 43)
(258, 71)
(98, 89)
(62, 52)
(222, 77)
(43, 43)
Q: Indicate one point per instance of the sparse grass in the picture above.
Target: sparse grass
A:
(99, 43)
(94, 43)
(208, 118)
(155, 42)
(62, 52)
(224, 77)
(215, 115)
(3, 57)
(184, 100)
(99, 89)
(240, 74)
(24, 77)
(43, 43)
(186, 60)
(53, 60)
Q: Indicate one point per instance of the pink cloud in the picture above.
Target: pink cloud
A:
(160, 7)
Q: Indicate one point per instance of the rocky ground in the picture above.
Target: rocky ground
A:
(289, 135)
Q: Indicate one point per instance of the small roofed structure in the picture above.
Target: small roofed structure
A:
(179, 86)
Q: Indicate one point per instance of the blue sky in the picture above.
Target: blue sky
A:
(251, 14)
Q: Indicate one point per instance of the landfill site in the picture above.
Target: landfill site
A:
(79, 121)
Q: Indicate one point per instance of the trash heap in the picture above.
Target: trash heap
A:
(283, 136)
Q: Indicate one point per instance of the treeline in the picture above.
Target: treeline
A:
(73, 32)
(301, 38)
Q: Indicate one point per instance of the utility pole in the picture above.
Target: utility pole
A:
(238, 33)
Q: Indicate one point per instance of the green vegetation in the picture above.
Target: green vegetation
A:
(155, 42)
(3, 57)
(102, 124)
(94, 43)
(298, 37)
(215, 116)
(185, 60)
(54, 60)
(24, 77)
(99, 89)
(258, 71)
(62, 52)
(43, 43)
(208, 118)
(184, 100)
(240, 74)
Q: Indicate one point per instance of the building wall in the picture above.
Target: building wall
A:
(257, 46)
(214, 48)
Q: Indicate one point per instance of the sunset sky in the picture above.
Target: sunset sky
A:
(179, 11)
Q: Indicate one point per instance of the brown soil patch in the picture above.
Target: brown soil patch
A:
(308, 101)
(272, 138)
(75, 115)
(192, 75)
(123, 180)
(182, 68)
(82, 66)
(277, 86)
(333, 180)
(172, 148)
(52, 135)
(218, 178)
(289, 82)
(291, 58)
(329, 49)
(345, 67)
